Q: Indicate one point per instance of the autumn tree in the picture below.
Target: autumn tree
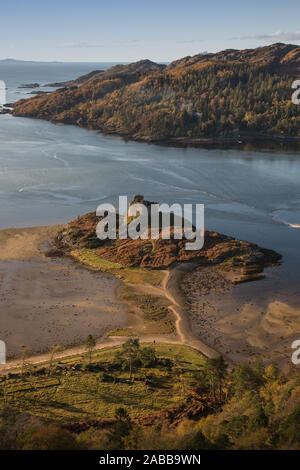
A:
(121, 428)
(214, 373)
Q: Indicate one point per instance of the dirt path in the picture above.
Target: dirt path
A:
(169, 289)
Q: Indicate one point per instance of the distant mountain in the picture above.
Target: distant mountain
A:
(233, 94)
(8, 60)
(12, 61)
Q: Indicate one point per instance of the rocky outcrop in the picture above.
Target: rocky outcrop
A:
(29, 85)
(219, 250)
(199, 405)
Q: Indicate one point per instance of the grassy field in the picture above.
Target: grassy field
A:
(147, 312)
(152, 310)
(75, 391)
(132, 275)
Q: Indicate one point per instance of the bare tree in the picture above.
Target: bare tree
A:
(25, 365)
(53, 350)
(90, 344)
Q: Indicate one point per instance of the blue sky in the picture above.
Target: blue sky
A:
(128, 30)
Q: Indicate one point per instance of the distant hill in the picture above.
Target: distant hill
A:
(12, 61)
(282, 57)
(225, 95)
(140, 66)
(8, 60)
(77, 81)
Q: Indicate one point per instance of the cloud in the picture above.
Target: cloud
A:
(87, 45)
(190, 41)
(82, 45)
(278, 36)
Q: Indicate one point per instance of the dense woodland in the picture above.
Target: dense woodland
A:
(209, 97)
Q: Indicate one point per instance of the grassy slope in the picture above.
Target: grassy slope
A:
(132, 275)
(146, 312)
(74, 395)
(262, 415)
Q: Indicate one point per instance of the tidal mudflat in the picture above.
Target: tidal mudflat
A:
(46, 301)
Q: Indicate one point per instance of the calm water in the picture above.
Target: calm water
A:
(16, 73)
(51, 173)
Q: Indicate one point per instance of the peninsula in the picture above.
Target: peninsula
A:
(230, 96)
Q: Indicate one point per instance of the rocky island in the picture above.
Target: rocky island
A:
(29, 85)
(227, 253)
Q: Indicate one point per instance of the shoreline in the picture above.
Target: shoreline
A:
(256, 139)
(171, 289)
(171, 286)
(243, 320)
(184, 335)
(213, 140)
(46, 301)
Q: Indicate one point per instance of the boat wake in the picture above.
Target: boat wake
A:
(289, 224)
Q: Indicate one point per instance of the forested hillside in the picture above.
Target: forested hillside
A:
(213, 95)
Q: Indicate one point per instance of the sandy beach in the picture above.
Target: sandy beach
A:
(46, 301)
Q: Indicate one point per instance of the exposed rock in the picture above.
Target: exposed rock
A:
(199, 405)
(29, 85)
(226, 252)
(37, 92)
(5, 111)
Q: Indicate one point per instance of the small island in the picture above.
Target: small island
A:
(29, 85)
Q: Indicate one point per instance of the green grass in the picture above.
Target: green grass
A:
(154, 310)
(132, 275)
(156, 313)
(120, 332)
(70, 395)
(91, 258)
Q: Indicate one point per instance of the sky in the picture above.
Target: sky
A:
(130, 30)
